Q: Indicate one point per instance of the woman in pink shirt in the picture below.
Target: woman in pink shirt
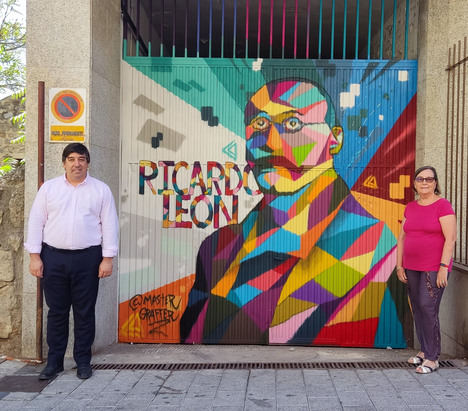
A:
(424, 261)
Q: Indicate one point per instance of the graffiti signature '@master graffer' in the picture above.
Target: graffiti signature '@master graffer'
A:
(158, 310)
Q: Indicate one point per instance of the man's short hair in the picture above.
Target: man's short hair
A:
(75, 148)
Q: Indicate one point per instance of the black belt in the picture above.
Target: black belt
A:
(64, 251)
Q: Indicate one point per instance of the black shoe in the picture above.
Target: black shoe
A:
(84, 372)
(50, 372)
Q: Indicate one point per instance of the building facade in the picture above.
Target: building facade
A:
(161, 181)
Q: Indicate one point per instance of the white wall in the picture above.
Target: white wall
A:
(441, 24)
(75, 45)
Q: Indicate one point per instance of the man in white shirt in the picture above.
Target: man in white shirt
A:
(72, 239)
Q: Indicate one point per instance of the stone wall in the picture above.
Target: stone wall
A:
(441, 24)
(11, 260)
(9, 107)
(11, 233)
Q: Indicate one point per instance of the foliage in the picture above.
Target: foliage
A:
(9, 164)
(12, 42)
(20, 120)
(12, 73)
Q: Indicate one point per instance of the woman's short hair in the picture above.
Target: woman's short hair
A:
(421, 169)
(75, 148)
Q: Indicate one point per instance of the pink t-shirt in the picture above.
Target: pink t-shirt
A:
(424, 239)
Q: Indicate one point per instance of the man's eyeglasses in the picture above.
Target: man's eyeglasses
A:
(426, 179)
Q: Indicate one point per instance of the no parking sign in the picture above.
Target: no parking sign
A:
(66, 114)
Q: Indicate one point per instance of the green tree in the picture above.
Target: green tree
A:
(12, 43)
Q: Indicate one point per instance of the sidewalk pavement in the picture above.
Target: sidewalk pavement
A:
(239, 389)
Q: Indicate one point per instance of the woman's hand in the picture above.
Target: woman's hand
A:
(401, 274)
(442, 275)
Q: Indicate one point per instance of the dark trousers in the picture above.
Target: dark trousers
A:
(425, 301)
(70, 280)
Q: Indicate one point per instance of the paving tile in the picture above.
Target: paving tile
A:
(108, 399)
(453, 373)
(461, 386)
(19, 396)
(443, 391)
(454, 404)
(261, 379)
(381, 392)
(391, 407)
(12, 405)
(210, 378)
(293, 399)
(403, 380)
(429, 379)
(354, 398)
(316, 376)
(259, 403)
(10, 367)
(168, 399)
(49, 398)
(199, 393)
(82, 395)
(73, 405)
(235, 390)
(373, 378)
(389, 403)
(234, 380)
(60, 386)
(344, 375)
(321, 390)
(354, 386)
(417, 398)
(324, 404)
(147, 387)
(133, 404)
(197, 404)
(178, 381)
(229, 398)
(208, 389)
(289, 378)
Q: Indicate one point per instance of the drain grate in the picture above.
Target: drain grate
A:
(266, 365)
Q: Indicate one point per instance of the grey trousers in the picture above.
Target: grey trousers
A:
(425, 299)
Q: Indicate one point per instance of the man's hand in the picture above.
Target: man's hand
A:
(105, 268)
(35, 265)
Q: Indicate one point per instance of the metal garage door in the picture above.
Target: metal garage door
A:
(261, 200)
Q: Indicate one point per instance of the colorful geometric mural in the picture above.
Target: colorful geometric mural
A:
(294, 245)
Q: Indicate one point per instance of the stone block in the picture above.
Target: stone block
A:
(16, 206)
(6, 266)
(5, 327)
(15, 241)
(7, 298)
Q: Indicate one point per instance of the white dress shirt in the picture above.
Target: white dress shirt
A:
(73, 217)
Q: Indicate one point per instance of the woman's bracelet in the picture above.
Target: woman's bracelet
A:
(443, 265)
